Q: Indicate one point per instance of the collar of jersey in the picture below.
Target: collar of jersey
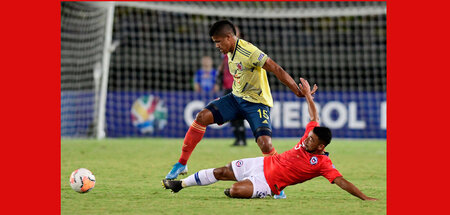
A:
(235, 46)
(325, 153)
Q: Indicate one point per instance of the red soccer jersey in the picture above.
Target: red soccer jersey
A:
(297, 165)
(227, 77)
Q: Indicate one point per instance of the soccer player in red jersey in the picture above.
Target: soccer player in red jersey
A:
(266, 176)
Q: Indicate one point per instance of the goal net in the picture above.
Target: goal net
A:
(340, 46)
(82, 42)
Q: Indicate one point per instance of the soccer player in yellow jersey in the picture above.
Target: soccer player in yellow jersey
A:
(250, 99)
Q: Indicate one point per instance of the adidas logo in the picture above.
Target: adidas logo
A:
(265, 121)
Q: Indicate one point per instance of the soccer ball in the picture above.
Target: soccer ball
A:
(82, 180)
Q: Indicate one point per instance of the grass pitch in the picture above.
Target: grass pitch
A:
(129, 172)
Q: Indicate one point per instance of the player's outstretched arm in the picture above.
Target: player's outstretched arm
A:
(352, 189)
(283, 76)
(305, 88)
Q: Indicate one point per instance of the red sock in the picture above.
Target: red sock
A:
(193, 136)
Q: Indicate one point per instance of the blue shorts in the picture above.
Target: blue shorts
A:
(229, 107)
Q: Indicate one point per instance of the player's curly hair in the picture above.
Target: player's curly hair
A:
(324, 134)
(221, 28)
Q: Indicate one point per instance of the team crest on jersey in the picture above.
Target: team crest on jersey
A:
(240, 66)
(313, 160)
(239, 163)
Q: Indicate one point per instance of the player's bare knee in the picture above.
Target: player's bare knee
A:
(221, 173)
(218, 173)
(238, 191)
(235, 191)
(203, 117)
(199, 118)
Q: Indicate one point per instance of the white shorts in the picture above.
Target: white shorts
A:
(253, 170)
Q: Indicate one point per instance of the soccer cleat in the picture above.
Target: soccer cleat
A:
(177, 169)
(184, 172)
(281, 196)
(174, 185)
(227, 192)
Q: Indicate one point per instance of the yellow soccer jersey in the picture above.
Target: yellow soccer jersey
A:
(250, 79)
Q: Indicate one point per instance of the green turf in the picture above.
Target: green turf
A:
(129, 173)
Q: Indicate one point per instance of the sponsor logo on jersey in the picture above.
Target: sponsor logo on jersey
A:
(313, 160)
(239, 163)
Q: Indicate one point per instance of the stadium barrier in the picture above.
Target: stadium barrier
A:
(169, 114)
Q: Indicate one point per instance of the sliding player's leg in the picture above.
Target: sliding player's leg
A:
(201, 178)
(241, 189)
(248, 172)
(251, 180)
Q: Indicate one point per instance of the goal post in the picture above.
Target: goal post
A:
(107, 50)
(86, 32)
(147, 84)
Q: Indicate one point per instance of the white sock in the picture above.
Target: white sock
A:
(202, 177)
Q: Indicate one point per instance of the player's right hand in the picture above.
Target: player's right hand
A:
(305, 88)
